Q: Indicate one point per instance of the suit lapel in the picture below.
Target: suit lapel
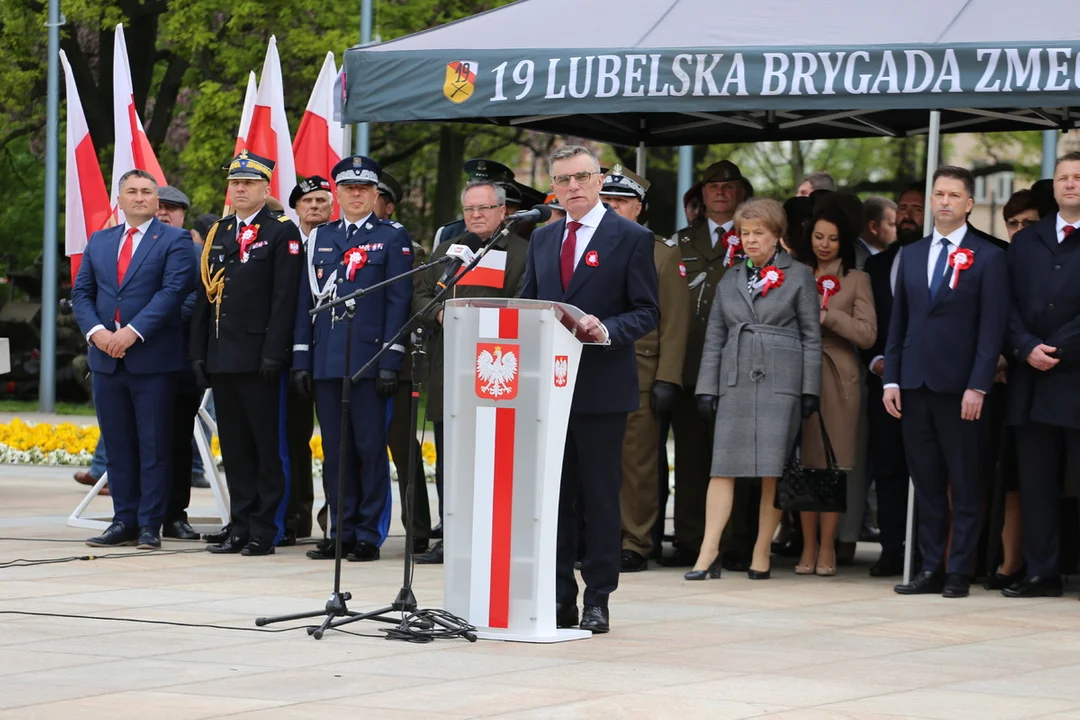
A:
(147, 243)
(549, 257)
(111, 249)
(1047, 232)
(944, 292)
(603, 241)
(226, 235)
(742, 279)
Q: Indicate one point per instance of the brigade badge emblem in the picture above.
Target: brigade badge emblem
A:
(460, 80)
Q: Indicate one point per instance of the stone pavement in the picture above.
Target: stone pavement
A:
(788, 648)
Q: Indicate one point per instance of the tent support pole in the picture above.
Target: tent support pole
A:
(686, 179)
(49, 282)
(640, 169)
(363, 129)
(1049, 158)
(933, 153)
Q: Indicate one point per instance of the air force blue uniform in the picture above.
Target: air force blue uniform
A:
(319, 348)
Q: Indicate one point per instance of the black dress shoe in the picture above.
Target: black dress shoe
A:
(789, 546)
(363, 551)
(713, 571)
(1034, 586)
(258, 546)
(869, 533)
(566, 616)
(231, 546)
(632, 561)
(149, 539)
(115, 535)
(324, 550)
(888, 565)
(926, 582)
(595, 619)
(759, 574)
(958, 585)
(179, 530)
(1000, 581)
(436, 532)
(220, 536)
(198, 480)
(288, 538)
(432, 557)
(419, 546)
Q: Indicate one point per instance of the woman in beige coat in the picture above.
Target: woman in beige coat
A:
(848, 321)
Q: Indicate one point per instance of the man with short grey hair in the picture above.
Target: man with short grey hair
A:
(816, 181)
(879, 229)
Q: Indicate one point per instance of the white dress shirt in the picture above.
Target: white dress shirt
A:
(869, 248)
(1061, 223)
(713, 237)
(370, 217)
(248, 220)
(140, 231)
(589, 222)
(955, 238)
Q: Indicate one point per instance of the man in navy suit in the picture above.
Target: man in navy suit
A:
(603, 264)
(1044, 382)
(946, 332)
(127, 297)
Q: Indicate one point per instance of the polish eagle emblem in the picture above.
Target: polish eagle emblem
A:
(497, 371)
(562, 370)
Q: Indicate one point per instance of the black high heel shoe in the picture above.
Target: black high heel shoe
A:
(713, 572)
(759, 574)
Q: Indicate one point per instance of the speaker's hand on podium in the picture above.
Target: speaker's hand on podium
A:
(662, 398)
(301, 383)
(387, 383)
(595, 329)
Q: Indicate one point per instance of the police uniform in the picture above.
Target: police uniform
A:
(660, 364)
(343, 257)
(401, 433)
(241, 337)
(488, 170)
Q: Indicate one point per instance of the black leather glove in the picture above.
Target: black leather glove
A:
(198, 369)
(269, 369)
(662, 398)
(301, 383)
(706, 406)
(810, 405)
(387, 383)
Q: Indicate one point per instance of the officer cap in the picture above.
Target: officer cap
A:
(722, 171)
(390, 187)
(171, 196)
(552, 201)
(513, 192)
(357, 170)
(307, 185)
(484, 169)
(530, 197)
(620, 182)
(251, 166)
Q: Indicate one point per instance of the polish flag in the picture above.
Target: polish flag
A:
(320, 140)
(242, 133)
(86, 202)
(132, 149)
(269, 132)
(493, 488)
(489, 272)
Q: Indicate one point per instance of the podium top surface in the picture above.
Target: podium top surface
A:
(569, 315)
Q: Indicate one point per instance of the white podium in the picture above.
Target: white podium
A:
(509, 371)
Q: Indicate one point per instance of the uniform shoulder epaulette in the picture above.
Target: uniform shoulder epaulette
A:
(283, 218)
(227, 218)
(670, 242)
(391, 223)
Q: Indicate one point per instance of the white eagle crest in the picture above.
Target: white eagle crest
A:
(497, 370)
(561, 370)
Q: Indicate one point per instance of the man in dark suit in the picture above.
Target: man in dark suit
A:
(127, 296)
(603, 264)
(1044, 382)
(945, 335)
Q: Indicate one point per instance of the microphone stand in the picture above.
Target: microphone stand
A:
(336, 612)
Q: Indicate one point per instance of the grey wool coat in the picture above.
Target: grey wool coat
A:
(762, 353)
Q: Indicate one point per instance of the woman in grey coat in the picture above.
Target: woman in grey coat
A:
(761, 366)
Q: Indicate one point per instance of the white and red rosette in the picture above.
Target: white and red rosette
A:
(247, 236)
(960, 259)
(355, 259)
(732, 245)
(827, 286)
(592, 258)
(771, 277)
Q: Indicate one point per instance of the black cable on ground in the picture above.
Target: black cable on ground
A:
(25, 562)
(425, 625)
(168, 622)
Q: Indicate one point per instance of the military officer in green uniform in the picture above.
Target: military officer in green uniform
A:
(482, 169)
(660, 357)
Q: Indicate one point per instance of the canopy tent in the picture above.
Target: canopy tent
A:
(680, 72)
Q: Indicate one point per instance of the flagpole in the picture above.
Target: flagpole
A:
(47, 377)
(362, 129)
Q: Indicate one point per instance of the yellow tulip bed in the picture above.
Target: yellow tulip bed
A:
(68, 444)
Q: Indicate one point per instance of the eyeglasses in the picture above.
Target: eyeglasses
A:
(470, 209)
(581, 178)
(1019, 224)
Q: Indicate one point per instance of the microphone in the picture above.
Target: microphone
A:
(539, 213)
(460, 254)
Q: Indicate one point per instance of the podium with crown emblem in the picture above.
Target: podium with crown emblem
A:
(510, 367)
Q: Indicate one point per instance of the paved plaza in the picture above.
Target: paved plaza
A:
(792, 647)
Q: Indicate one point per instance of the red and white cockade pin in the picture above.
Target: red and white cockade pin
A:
(354, 260)
(592, 259)
(732, 245)
(247, 236)
(960, 259)
(771, 277)
(827, 286)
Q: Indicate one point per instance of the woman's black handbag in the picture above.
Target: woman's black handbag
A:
(812, 489)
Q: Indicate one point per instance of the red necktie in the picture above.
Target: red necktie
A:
(124, 261)
(1067, 230)
(566, 257)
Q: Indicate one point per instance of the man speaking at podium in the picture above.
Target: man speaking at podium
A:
(603, 264)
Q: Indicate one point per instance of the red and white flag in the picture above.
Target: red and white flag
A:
(132, 151)
(489, 272)
(320, 140)
(245, 115)
(269, 132)
(86, 201)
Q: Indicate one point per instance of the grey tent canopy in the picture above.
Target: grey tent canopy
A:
(676, 72)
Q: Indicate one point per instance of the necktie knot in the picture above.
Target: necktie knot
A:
(1068, 229)
(573, 226)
